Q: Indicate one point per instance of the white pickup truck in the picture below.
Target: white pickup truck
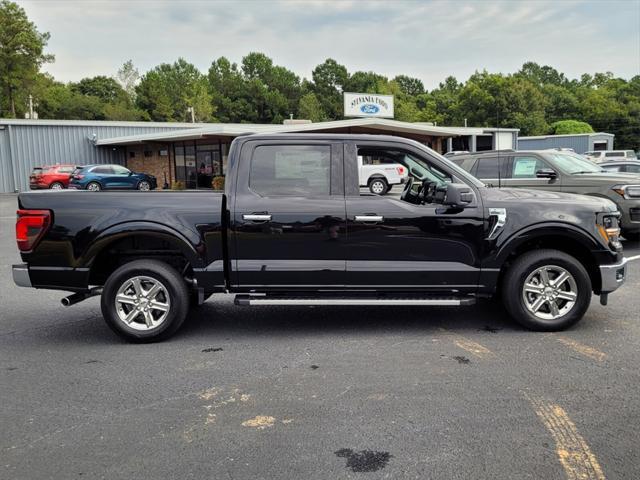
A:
(380, 175)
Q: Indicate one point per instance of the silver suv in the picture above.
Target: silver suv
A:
(610, 155)
(560, 172)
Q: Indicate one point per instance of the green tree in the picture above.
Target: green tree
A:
(565, 127)
(21, 56)
(329, 79)
(105, 88)
(410, 85)
(128, 77)
(169, 90)
(310, 108)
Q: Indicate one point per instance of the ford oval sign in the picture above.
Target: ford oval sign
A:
(369, 109)
(368, 105)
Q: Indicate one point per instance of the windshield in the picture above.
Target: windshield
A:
(459, 171)
(573, 164)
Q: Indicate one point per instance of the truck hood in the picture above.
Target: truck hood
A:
(601, 179)
(537, 197)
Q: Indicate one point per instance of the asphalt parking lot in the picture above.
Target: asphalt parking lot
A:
(316, 393)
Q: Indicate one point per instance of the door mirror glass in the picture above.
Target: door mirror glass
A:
(546, 173)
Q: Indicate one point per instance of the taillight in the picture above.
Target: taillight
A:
(400, 170)
(31, 225)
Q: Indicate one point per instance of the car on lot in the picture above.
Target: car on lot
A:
(110, 177)
(600, 156)
(293, 227)
(624, 166)
(380, 173)
(54, 177)
(558, 171)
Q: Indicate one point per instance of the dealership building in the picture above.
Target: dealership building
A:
(189, 152)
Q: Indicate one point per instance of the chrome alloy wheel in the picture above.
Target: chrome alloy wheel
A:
(377, 187)
(56, 186)
(550, 292)
(93, 187)
(142, 303)
(144, 186)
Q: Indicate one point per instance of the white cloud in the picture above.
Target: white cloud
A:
(429, 40)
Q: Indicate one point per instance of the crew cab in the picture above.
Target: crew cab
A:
(380, 173)
(293, 228)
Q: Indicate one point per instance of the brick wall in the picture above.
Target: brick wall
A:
(155, 164)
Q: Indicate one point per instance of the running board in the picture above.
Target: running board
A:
(245, 300)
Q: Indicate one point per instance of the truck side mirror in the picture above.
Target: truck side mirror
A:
(455, 195)
(546, 173)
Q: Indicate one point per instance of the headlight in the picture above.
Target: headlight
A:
(627, 191)
(610, 229)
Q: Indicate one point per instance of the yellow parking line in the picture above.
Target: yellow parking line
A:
(470, 346)
(583, 349)
(473, 347)
(576, 457)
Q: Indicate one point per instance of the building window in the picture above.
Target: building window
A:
(132, 154)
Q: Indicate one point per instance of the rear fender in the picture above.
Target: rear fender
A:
(189, 246)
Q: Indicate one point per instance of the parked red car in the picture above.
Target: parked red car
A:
(55, 177)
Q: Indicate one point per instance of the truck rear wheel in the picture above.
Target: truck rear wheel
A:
(145, 301)
(378, 186)
(546, 290)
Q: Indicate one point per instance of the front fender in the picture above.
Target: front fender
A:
(549, 229)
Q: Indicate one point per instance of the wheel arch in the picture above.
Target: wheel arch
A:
(134, 240)
(562, 237)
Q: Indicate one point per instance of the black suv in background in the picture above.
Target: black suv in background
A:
(558, 171)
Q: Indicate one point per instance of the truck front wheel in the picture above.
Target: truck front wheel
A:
(145, 301)
(546, 290)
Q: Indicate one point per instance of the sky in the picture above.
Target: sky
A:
(429, 40)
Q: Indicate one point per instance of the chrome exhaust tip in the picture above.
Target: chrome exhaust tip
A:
(80, 296)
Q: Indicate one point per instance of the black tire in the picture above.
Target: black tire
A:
(56, 186)
(513, 285)
(176, 289)
(96, 186)
(378, 186)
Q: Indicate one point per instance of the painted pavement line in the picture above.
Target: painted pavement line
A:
(576, 457)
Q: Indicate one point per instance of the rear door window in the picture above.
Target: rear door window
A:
(631, 169)
(295, 170)
(491, 167)
(103, 170)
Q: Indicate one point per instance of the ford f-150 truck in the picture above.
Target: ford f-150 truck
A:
(293, 228)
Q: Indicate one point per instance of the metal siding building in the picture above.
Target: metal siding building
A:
(25, 144)
(583, 142)
(158, 147)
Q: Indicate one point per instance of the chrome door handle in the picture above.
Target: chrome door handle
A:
(369, 218)
(254, 217)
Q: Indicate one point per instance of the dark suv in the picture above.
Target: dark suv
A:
(110, 177)
(558, 171)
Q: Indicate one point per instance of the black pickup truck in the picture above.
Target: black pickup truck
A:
(293, 227)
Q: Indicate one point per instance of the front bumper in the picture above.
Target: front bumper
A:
(21, 275)
(613, 276)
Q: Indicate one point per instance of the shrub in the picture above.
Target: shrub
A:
(567, 127)
(217, 183)
(177, 185)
